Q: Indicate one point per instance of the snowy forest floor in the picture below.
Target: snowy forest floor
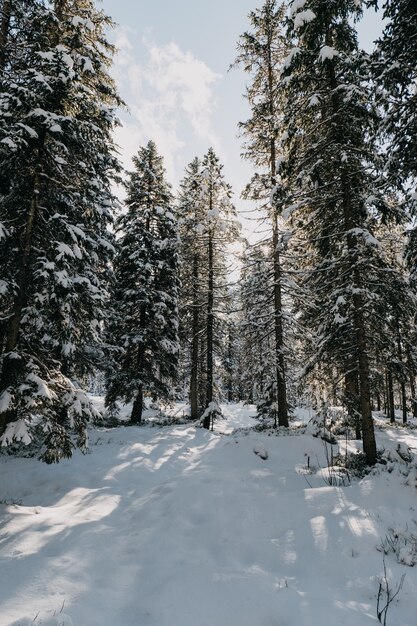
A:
(178, 526)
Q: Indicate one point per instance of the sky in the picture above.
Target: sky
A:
(172, 70)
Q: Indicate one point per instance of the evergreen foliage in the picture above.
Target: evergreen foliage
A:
(261, 53)
(57, 165)
(339, 205)
(144, 331)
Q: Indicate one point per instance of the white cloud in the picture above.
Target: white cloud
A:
(170, 94)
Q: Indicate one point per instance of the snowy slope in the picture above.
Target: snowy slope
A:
(177, 526)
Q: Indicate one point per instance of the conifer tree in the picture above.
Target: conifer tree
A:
(144, 331)
(220, 228)
(57, 166)
(208, 224)
(338, 203)
(261, 53)
(395, 70)
(191, 216)
(256, 329)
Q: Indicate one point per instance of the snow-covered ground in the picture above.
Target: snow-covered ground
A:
(177, 526)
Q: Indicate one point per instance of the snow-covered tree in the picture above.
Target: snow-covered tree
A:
(261, 52)
(57, 166)
(257, 334)
(395, 71)
(144, 330)
(191, 217)
(208, 224)
(337, 203)
(219, 229)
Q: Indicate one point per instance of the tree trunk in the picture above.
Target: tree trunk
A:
(11, 364)
(229, 367)
(136, 415)
(390, 395)
(402, 380)
(210, 323)
(412, 385)
(4, 31)
(368, 433)
(278, 325)
(352, 399)
(195, 344)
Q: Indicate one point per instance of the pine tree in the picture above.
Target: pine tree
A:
(144, 330)
(208, 224)
(261, 53)
(338, 203)
(57, 164)
(220, 229)
(395, 71)
(191, 216)
(257, 331)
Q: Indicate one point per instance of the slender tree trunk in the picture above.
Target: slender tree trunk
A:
(412, 384)
(278, 324)
(404, 402)
(368, 433)
(11, 364)
(210, 323)
(352, 398)
(402, 381)
(229, 367)
(4, 31)
(390, 397)
(137, 409)
(136, 415)
(194, 344)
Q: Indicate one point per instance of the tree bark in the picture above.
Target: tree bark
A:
(412, 384)
(194, 344)
(229, 367)
(136, 415)
(368, 433)
(11, 364)
(210, 323)
(278, 325)
(390, 397)
(352, 398)
(4, 31)
(402, 380)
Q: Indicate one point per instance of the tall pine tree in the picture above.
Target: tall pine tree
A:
(57, 164)
(338, 204)
(144, 331)
(261, 53)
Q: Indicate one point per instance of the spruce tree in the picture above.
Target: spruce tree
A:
(57, 166)
(337, 203)
(257, 331)
(144, 331)
(261, 53)
(395, 72)
(191, 217)
(219, 229)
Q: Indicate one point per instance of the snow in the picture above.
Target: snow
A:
(9, 142)
(327, 52)
(303, 17)
(64, 250)
(181, 526)
(296, 6)
(16, 431)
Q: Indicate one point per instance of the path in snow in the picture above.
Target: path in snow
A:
(182, 527)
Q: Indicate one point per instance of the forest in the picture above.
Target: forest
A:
(126, 302)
